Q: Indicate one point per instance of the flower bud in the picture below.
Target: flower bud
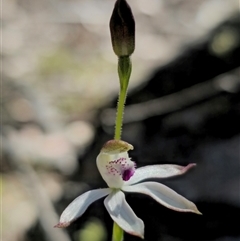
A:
(122, 28)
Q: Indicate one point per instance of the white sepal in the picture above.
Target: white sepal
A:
(157, 171)
(164, 195)
(79, 205)
(123, 215)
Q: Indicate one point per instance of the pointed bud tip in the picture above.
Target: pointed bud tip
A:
(116, 146)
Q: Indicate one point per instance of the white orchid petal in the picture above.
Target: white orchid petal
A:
(123, 215)
(79, 205)
(164, 195)
(157, 171)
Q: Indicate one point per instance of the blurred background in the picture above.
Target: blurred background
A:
(60, 88)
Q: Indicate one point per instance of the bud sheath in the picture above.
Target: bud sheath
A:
(122, 28)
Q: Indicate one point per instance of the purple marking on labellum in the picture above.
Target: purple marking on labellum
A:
(122, 166)
(127, 174)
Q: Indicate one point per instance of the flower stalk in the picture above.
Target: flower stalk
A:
(124, 73)
(122, 29)
(117, 233)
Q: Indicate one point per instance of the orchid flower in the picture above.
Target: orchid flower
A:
(121, 175)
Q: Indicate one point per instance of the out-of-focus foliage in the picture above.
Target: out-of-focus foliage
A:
(93, 230)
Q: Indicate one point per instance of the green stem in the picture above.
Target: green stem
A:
(124, 72)
(120, 113)
(117, 233)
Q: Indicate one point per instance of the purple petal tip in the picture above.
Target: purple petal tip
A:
(61, 225)
(137, 234)
(189, 166)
